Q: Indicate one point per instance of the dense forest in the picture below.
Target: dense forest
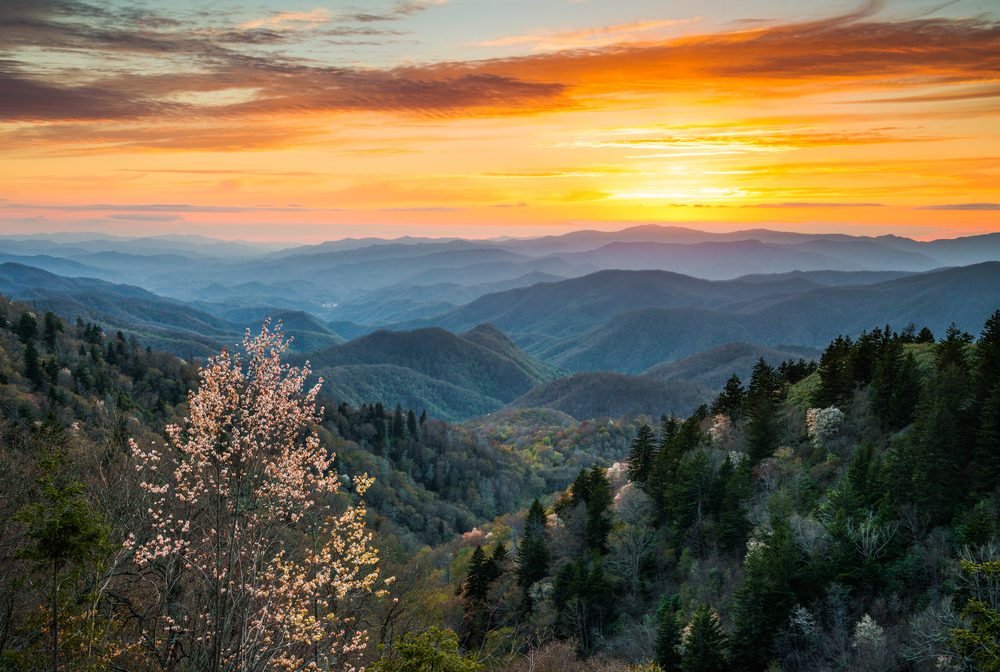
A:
(161, 514)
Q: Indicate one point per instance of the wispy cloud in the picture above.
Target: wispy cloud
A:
(290, 20)
(963, 206)
(603, 36)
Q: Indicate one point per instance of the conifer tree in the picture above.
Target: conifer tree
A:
(705, 644)
(64, 531)
(836, 379)
(532, 553)
(762, 411)
(27, 327)
(895, 387)
(640, 459)
(668, 634)
(411, 423)
(730, 401)
(33, 366)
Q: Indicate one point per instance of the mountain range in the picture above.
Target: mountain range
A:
(650, 319)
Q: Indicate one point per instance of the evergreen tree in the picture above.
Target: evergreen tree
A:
(532, 553)
(398, 424)
(765, 597)
(27, 327)
(734, 483)
(730, 400)
(895, 387)
(592, 491)
(411, 423)
(925, 336)
(477, 580)
(583, 596)
(986, 454)
(53, 326)
(668, 635)
(705, 645)
(640, 459)
(836, 379)
(33, 366)
(65, 533)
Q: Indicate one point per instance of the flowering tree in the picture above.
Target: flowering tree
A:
(249, 566)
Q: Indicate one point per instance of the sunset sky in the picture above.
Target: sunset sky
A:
(308, 121)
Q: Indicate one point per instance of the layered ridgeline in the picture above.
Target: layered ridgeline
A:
(376, 282)
(673, 337)
(449, 375)
(629, 321)
(160, 323)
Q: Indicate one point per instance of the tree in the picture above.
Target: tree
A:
(53, 326)
(411, 423)
(33, 366)
(668, 634)
(434, 650)
(249, 570)
(765, 597)
(640, 459)
(532, 553)
(730, 400)
(705, 644)
(27, 327)
(895, 387)
(65, 532)
(836, 378)
(979, 640)
(763, 428)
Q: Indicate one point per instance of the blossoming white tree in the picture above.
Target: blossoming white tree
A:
(250, 566)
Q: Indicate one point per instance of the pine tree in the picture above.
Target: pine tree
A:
(27, 327)
(836, 379)
(640, 459)
(765, 597)
(705, 645)
(895, 387)
(532, 553)
(925, 336)
(398, 424)
(65, 532)
(592, 491)
(730, 400)
(33, 366)
(668, 635)
(53, 326)
(411, 423)
(477, 579)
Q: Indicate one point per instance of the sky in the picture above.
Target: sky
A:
(310, 121)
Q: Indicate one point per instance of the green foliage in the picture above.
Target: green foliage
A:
(765, 597)
(532, 553)
(434, 650)
(592, 491)
(731, 399)
(705, 645)
(641, 455)
(668, 635)
(979, 640)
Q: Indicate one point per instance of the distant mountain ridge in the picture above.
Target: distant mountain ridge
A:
(377, 282)
(628, 321)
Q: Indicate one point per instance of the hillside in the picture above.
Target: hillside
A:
(461, 375)
(610, 394)
(714, 366)
(629, 321)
